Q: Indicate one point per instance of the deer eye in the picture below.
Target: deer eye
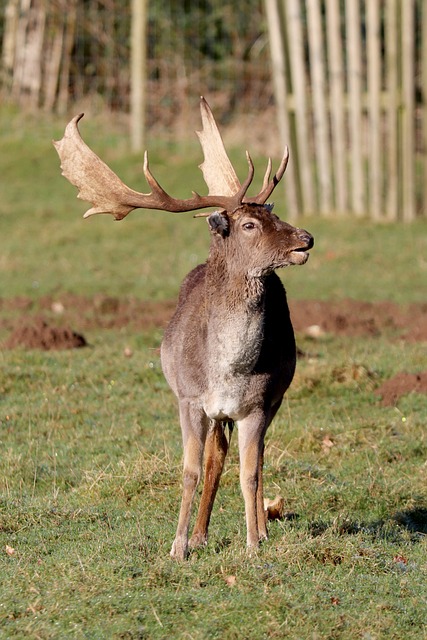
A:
(248, 226)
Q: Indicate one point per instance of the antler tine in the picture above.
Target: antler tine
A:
(267, 175)
(239, 197)
(236, 200)
(152, 182)
(269, 185)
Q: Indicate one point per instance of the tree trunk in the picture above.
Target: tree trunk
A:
(9, 39)
(27, 75)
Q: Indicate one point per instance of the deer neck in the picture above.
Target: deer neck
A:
(235, 306)
(233, 289)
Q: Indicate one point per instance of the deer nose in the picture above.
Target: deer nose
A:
(306, 237)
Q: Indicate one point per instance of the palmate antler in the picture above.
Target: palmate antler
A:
(100, 186)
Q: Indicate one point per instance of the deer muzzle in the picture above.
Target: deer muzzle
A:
(305, 241)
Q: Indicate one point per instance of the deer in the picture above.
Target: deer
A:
(228, 352)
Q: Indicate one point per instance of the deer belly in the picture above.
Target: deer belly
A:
(227, 401)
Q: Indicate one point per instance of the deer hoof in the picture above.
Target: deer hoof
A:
(179, 550)
(252, 551)
(198, 540)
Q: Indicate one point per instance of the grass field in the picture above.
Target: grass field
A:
(90, 445)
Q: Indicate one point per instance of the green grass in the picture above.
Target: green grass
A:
(90, 458)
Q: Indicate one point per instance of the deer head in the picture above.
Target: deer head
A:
(254, 240)
(100, 186)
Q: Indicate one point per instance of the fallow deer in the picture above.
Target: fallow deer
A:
(229, 351)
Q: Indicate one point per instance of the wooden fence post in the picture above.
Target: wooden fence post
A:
(391, 53)
(336, 80)
(374, 90)
(354, 71)
(292, 12)
(424, 110)
(408, 112)
(280, 91)
(138, 73)
(320, 116)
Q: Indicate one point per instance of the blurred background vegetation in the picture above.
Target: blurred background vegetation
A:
(342, 82)
(79, 50)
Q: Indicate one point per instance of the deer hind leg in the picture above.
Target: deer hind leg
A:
(251, 432)
(216, 448)
(261, 515)
(194, 425)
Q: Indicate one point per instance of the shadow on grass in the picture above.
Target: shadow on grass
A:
(413, 521)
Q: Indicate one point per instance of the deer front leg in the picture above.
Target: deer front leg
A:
(194, 425)
(251, 432)
(215, 452)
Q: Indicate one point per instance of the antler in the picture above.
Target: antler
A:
(269, 185)
(99, 185)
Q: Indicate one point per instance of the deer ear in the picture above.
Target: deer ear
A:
(219, 223)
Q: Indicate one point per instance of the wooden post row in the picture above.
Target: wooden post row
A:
(345, 90)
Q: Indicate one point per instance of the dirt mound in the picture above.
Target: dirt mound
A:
(38, 334)
(400, 385)
(355, 318)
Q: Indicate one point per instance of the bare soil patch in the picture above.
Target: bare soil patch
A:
(46, 324)
(400, 385)
(38, 334)
(354, 318)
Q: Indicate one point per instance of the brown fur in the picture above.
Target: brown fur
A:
(229, 355)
